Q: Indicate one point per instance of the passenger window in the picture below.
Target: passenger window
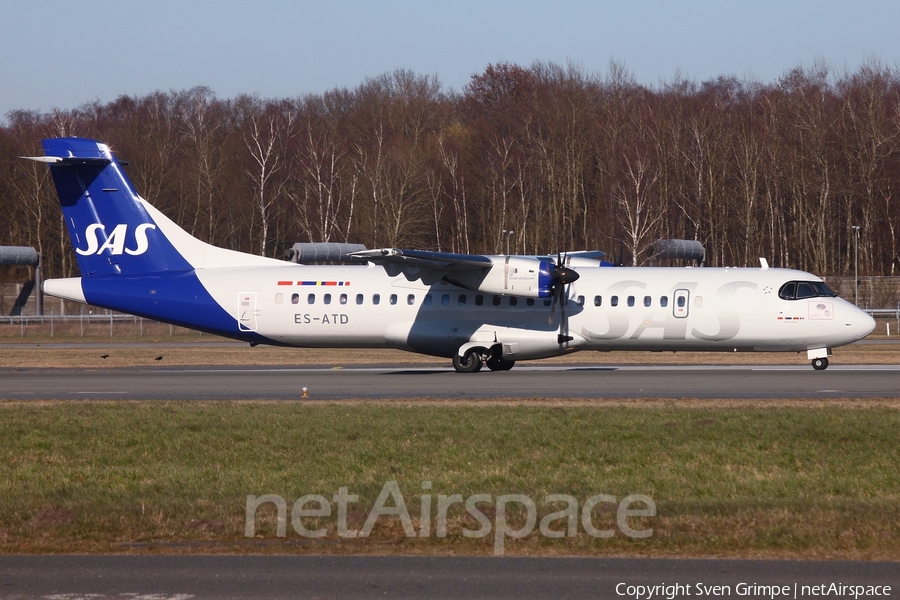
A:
(343, 298)
(479, 299)
(427, 301)
(393, 299)
(376, 299)
(580, 300)
(698, 301)
(461, 300)
(326, 299)
(614, 301)
(630, 300)
(279, 298)
(664, 301)
(311, 299)
(359, 298)
(529, 302)
(681, 301)
(648, 301)
(445, 300)
(411, 299)
(598, 300)
(495, 301)
(295, 299)
(548, 302)
(513, 301)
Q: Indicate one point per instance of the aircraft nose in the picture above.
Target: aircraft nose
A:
(860, 323)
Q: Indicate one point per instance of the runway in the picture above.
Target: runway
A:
(380, 382)
(349, 577)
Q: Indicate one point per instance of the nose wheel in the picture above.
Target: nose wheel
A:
(820, 364)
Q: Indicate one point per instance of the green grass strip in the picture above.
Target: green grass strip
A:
(743, 481)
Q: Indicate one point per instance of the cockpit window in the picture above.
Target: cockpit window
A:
(798, 290)
(804, 290)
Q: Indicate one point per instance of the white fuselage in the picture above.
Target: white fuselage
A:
(728, 309)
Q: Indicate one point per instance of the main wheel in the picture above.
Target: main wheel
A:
(820, 364)
(500, 364)
(470, 363)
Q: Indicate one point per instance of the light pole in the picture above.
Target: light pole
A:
(507, 234)
(856, 229)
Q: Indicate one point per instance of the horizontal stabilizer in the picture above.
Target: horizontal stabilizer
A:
(69, 160)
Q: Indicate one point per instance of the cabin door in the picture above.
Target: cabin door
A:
(247, 311)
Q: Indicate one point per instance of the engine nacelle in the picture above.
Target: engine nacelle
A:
(518, 276)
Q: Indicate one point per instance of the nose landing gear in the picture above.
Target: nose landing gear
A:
(820, 364)
(819, 358)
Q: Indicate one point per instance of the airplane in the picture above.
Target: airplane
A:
(476, 310)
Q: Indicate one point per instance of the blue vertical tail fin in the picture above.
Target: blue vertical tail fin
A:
(110, 226)
(132, 257)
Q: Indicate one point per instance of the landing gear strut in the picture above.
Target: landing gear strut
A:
(820, 364)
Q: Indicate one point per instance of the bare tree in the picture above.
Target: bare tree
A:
(639, 206)
(262, 137)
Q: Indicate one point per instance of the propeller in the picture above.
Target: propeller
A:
(561, 276)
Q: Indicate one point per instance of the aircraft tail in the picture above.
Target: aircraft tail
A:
(114, 231)
(132, 257)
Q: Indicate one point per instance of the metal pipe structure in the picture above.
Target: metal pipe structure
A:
(678, 249)
(320, 252)
(28, 256)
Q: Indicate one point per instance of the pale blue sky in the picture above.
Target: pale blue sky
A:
(56, 54)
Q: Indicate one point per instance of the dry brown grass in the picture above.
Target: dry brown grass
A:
(193, 350)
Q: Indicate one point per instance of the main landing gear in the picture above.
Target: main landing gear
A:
(820, 364)
(470, 362)
(475, 358)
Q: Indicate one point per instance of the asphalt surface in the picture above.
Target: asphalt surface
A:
(392, 382)
(350, 577)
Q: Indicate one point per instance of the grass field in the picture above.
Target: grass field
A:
(796, 478)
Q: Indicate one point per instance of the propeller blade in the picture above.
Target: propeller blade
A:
(563, 335)
(554, 292)
(561, 277)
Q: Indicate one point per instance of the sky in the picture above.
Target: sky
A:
(56, 54)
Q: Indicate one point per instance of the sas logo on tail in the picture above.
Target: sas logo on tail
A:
(115, 241)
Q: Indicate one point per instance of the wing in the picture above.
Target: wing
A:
(528, 276)
(430, 267)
